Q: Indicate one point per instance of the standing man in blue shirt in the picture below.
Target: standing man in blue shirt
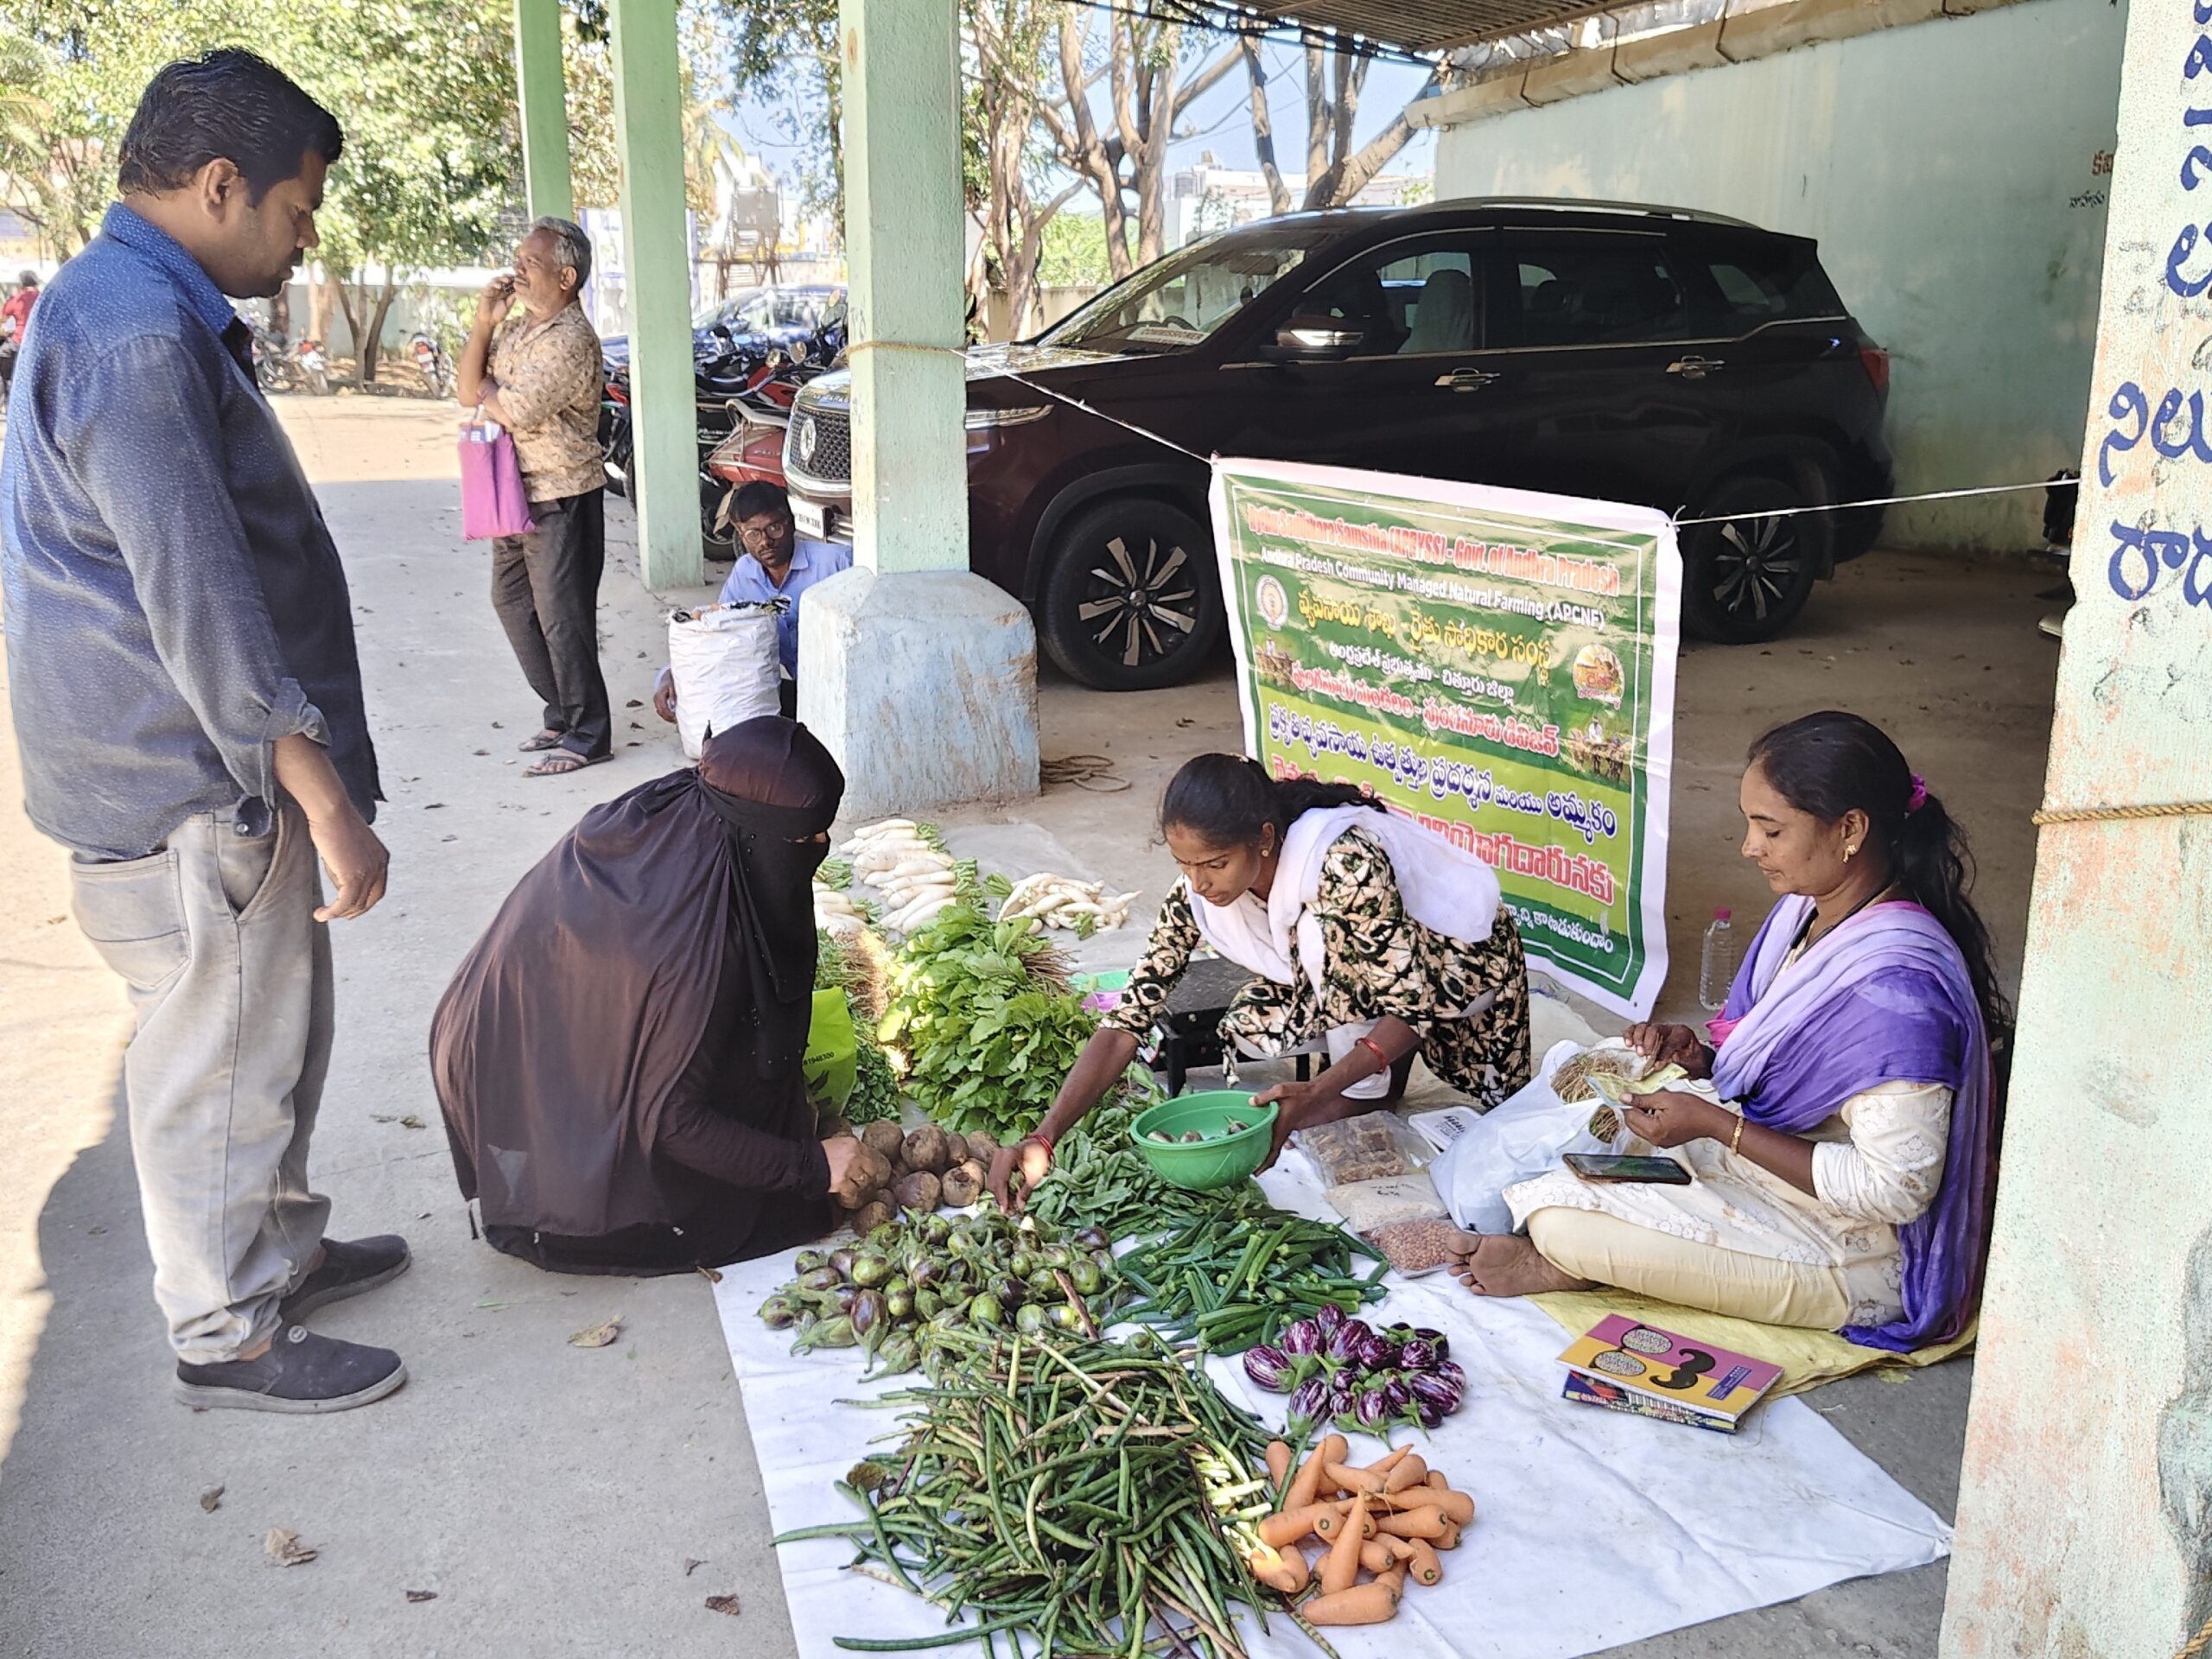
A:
(188, 707)
(778, 563)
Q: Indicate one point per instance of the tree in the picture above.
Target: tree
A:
(789, 49)
(425, 93)
(1336, 172)
(1138, 58)
(1009, 185)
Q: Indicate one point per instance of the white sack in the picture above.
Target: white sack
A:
(725, 667)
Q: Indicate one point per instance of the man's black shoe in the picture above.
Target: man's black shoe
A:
(349, 1267)
(301, 1372)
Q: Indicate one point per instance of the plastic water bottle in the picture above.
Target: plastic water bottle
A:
(1717, 968)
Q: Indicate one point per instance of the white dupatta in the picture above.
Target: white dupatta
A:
(1444, 889)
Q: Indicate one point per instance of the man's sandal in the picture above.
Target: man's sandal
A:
(563, 762)
(548, 739)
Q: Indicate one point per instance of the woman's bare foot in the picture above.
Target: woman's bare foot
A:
(1509, 1265)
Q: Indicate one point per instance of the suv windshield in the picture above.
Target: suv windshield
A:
(1178, 302)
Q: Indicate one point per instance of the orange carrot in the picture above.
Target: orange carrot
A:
(1426, 1568)
(1389, 1460)
(1357, 1480)
(1450, 1539)
(1283, 1570)
(1458, 1505)
(1329, 1525)
(1416, 1523)
(1409, 1473)
(1376, 1557)
(1368, 1603)
(1396, 1578)
(1341, 1570)
(1305, 1486)
(1278, 1463)
(1279, 1530)
(1436, 1479)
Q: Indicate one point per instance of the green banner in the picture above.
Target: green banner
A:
(1497, 665)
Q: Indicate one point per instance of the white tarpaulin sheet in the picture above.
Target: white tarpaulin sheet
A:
(1592, 1527)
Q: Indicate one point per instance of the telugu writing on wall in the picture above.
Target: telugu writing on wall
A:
(1496, 665)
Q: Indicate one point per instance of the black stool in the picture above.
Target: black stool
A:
(1191, 1017)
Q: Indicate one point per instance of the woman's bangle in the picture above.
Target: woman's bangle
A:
(1382, 1060)
(1736, 1140)
(1042, 1140)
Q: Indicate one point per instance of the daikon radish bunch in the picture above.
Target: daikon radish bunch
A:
(836, 914)
(1084, 907)
(900, 859)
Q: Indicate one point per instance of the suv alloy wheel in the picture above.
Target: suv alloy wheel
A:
(1132, 600)
(1745, 581)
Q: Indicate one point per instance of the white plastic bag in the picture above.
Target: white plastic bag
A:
(1518, 1138)
(723, 659)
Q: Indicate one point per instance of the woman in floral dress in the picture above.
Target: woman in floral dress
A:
(1366, 932)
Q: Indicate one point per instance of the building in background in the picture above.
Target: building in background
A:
(1210, 197)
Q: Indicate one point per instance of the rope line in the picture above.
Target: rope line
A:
(2121, 814)
(2198, 1642)
(1675, 519)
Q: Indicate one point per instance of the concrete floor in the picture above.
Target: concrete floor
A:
(562, 1501)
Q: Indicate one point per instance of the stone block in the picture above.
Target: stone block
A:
(923, 684)
(1571, 75)
(1676, 53)
(1766, 30)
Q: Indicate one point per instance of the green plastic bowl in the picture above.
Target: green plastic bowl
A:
(1202, 1166)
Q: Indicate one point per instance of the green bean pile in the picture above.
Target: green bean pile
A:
(1226, 1282)
(1100, 1179)
(1077, 1494)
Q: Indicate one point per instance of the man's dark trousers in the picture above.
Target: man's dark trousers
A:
(546, 588)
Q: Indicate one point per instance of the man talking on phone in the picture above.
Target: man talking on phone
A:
(539, 374)
(188, 707)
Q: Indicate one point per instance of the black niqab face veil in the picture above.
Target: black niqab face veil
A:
(776, 790)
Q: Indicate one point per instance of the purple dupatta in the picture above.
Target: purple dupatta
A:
(1886, 998)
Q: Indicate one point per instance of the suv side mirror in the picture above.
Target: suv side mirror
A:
(1315, 338)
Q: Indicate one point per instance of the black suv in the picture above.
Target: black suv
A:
(1630, 353)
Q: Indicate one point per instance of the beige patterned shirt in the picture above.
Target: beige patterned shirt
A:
(551, 377)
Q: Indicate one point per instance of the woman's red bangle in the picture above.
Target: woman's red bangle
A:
(1041, 1139)
(1375, 1049)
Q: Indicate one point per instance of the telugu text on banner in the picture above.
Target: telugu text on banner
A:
(1498, 664)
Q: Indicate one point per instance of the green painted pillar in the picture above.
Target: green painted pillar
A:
(542, 95)
(655, 258)
(904, 253)
(919, 675)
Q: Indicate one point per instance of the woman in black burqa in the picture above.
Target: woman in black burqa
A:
(619, 1058)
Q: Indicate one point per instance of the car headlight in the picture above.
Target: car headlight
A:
(983, 420)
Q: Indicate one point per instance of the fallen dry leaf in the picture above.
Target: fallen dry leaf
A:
(410, 1122)
(691, 1567)
(722, 1604)
(211, 1498)
(713, 1274)
(422, 1595)
(383, 1117)
(285, 1548)
(599, 1335)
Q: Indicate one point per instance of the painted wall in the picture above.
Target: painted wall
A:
(2085, 1501)
(1954, 175)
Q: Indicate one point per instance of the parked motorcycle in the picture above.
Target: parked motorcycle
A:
(314, 367)
(743, 399)
(273, 365)
(432, 363)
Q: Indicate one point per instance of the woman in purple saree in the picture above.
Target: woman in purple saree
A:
(1842, 1126)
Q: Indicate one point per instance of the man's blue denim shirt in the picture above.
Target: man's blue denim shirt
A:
(174, 603)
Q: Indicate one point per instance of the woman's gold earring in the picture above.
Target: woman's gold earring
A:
(1851, 852)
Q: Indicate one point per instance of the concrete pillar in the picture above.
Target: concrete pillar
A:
(920, 677)
(655, 257)
(541, 96)
(2085, 1503)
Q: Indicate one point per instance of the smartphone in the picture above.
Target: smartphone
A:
(1607, 1167)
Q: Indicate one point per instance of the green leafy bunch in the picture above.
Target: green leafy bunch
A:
(984, 1017)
